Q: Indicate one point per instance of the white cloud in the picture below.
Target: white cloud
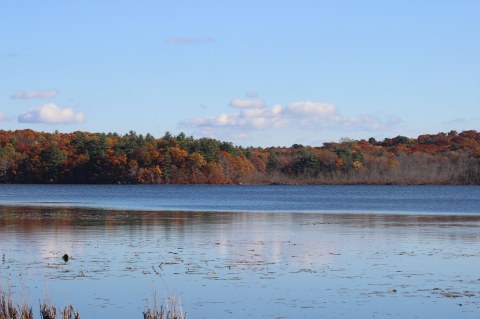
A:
(183, 40)
(254, 114)
(247, 103)
(47, 94)
(52, 114)
(309, 108)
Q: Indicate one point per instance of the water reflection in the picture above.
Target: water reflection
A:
(244, 264)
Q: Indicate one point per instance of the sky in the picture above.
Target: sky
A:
(255, 73)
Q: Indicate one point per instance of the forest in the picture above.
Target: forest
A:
(28, 156)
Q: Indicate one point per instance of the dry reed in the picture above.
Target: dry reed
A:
(172, 310)
(70, 313)
(48, 311)
(9, 311)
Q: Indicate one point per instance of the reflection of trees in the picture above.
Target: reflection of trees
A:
(256, 242)
(31, 219)
(35, 219)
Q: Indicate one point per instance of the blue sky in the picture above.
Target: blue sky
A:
(261, 73)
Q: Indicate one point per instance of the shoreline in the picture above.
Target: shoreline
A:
(293, 183)
(51, 206)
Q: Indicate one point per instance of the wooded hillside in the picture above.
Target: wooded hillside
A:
(27, 156)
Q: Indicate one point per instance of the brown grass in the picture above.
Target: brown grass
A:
(172, 310)
(9, 311)
(70, 313)
(48, 311)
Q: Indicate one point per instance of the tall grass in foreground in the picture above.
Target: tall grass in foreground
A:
(48, 311)
(171, 310)
(9, 311)
(24, 311)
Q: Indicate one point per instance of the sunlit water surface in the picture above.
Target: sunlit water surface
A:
(267, 264)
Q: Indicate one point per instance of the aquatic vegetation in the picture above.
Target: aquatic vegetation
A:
(9, 311)
(243, 265)
(171, 310)
(70, 313)
(48, 311)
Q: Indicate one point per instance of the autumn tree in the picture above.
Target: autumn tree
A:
(27, 156)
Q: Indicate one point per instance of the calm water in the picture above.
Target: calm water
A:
(383, 199)
(275, 252)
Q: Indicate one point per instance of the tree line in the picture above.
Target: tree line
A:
(27, 156)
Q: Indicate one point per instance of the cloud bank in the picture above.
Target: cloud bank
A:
(29, 95)
(253, 114)
(2, 117)
(52, 114)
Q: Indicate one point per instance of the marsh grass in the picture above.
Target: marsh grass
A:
(8, 310)
(171, 310)
(48, 311)
(70, 313)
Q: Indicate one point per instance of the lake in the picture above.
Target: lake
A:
(245, 251)
(239, 198)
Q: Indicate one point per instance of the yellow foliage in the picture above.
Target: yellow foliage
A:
(197, 160)
(357, 165)
(339, 163)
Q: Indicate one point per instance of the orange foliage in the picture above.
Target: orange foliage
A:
(27, 156)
